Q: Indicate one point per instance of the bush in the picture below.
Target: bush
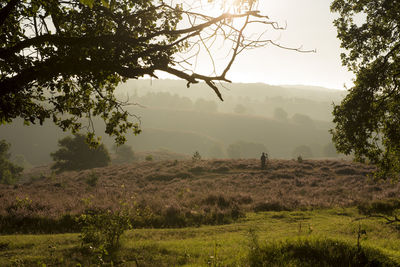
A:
(299, 159)
(315, 252)
(149, 158)
(76, 154)
(196, 156)
(9, 172)
(92, 179)
(101, 231)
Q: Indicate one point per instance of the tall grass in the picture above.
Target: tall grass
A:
(315, 252)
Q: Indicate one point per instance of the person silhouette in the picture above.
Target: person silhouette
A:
(263, 160)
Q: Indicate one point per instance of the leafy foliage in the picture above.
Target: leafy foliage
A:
(101, 231)
(367, 120)
(63, 60)
(9, 172)
(76, 154)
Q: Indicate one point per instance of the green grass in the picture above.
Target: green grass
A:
(226, 245)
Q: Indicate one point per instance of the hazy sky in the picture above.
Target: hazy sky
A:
(309, 24)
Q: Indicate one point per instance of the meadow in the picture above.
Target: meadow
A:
(205, 212)
(224, 245)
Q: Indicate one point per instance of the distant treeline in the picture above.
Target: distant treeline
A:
(253, 99)
(173, 121)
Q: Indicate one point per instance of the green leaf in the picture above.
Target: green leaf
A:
(105, 3)
(88, 3)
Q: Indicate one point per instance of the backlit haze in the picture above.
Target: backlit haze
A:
(308, 25)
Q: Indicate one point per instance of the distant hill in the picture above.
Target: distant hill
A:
(229, 90)
(251, 98)
(184, 120)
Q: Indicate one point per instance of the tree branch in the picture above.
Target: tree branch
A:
(5, 11)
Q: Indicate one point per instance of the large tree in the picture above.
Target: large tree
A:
(368, 119)
(76, 154)
(62, 59)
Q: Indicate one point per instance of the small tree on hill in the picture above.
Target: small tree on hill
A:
(196, 156)
(9, 172)
(76, 154)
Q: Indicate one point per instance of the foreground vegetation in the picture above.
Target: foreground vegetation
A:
(185, 193)
(202, 212)
(248, 242)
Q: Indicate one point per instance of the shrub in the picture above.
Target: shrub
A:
(315, 252)
(9, 172)
(149, 158)
(196, 156)
(101, 230)
(218, 200)
(76, 154)
(299, 159)
(92, 179)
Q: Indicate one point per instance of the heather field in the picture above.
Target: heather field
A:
(199, 213)
(185, 193)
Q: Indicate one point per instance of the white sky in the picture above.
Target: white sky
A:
(309, 24)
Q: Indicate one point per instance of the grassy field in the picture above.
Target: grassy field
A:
(203, 213)
(225, 245)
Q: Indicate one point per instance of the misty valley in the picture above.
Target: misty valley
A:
(283, 121)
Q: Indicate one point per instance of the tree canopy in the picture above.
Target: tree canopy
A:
(75, 154)
(62, 60)
(368, 118)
